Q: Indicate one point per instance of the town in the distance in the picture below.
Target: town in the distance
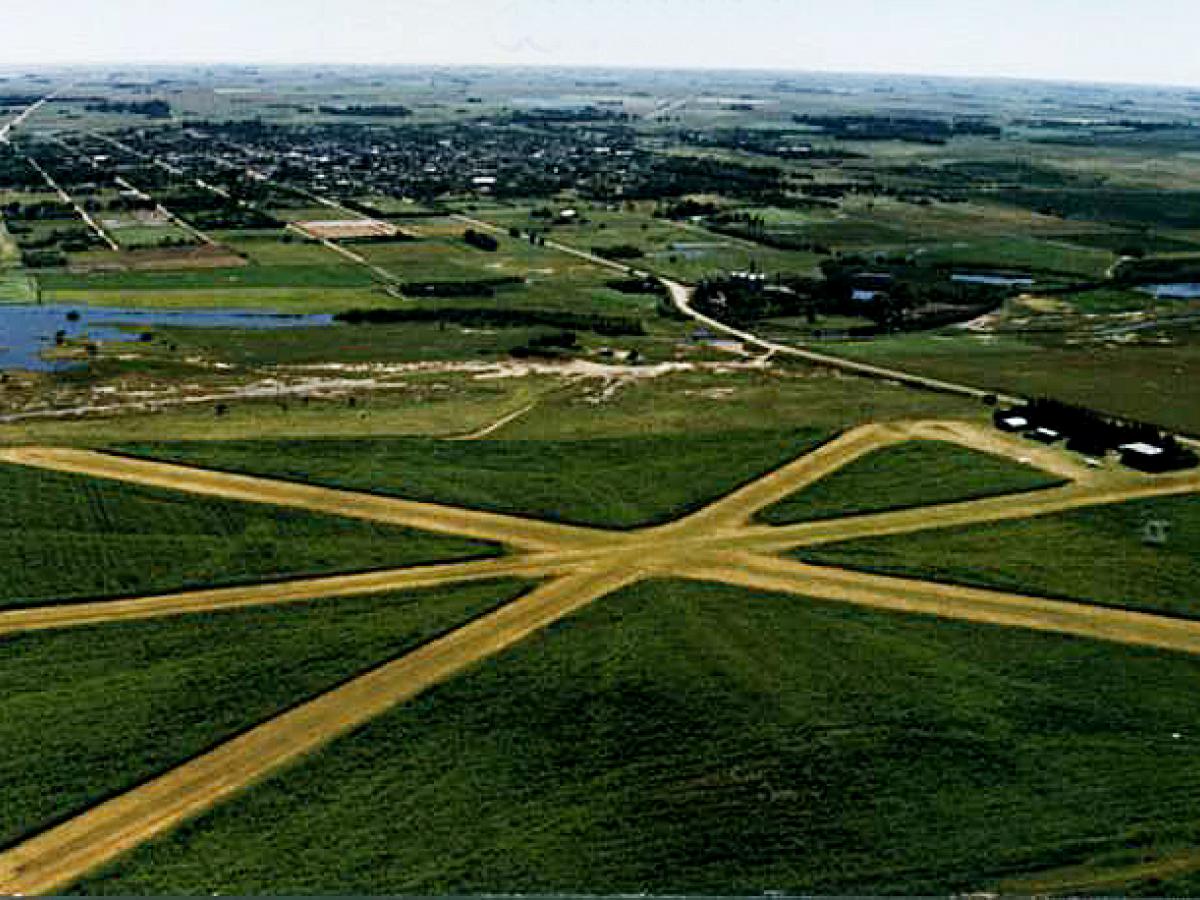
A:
(445, 480)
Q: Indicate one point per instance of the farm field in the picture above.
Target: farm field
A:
(1096, 555)
(69, 536)
(90, 712)
(815, 735)
(919, 473)
(607, 482)
(1134, 381)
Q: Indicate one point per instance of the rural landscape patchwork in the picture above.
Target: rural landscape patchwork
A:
(437, 480)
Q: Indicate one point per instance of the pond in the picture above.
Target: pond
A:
(27, 329)
(1188, 290)
(999, 280)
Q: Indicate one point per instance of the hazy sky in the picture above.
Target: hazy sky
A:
(1109, 40)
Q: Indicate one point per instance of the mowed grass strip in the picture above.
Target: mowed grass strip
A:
(1098, 555)
(687, 738)
(68, 536)
(917, 473)
(89, 712)
(610, 482)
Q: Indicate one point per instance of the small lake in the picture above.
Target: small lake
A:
(27, 329)
(999, 280)
(1182, 291)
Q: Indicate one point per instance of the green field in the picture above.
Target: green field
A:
(1141, 382)
(700, 739)
(89, 712)
(68, 536)
(1024, 254)
(327, 275)
(1095, 555)
(614, 483)
(918, 473)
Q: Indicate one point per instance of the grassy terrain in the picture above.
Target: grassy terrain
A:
(70, 536)
(615, 483)
(90, 712)
(447, 403)
(702, 739)
(918, 473)
(1141, 382)
(330, 274)
(1023, 254)
(282, 299)
(1094, 554)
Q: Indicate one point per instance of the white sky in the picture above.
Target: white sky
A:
(1097, 40)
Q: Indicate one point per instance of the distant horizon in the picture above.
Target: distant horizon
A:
(1125, 42)
(9, 70)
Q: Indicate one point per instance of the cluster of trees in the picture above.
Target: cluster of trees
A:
(677, 176)
(911, 129)
(36, 212)
(481, 240)
(891, 298)
(486, 316)
(381, 110)
(551, 344)
(687, 208)
(153, 109)
(541, 117)
(780, 143)
(750, 227)
(1094, 433)
(649, 286)
(481, 287)
(619, 252)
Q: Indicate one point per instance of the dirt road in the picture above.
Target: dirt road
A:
(61, 855)
(526, 533)
(576, 566)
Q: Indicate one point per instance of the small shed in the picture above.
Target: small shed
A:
(1045, 435)
(1010, 420)
(1145, 457)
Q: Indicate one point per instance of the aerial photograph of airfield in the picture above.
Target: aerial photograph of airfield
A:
(444, 480)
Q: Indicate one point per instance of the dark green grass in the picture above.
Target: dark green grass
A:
(68, 536)
(1095, 554)
(89, 712)
(686, 738)
(1140, 382)
(1152, 208)
(918, 473)
(346, 344)
(616, 483)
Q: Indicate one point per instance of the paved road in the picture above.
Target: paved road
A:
(575, 567)
(19, 119)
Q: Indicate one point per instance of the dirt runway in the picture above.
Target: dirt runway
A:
(575, 566)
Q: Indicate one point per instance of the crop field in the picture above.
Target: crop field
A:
(613, 483)
(703, 739)
(920, 473)
(1096, 555)
(70, 536)
(91, 713)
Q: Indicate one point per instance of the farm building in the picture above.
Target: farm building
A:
(1010, 421)
(1044, 435)
(1145, 457)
